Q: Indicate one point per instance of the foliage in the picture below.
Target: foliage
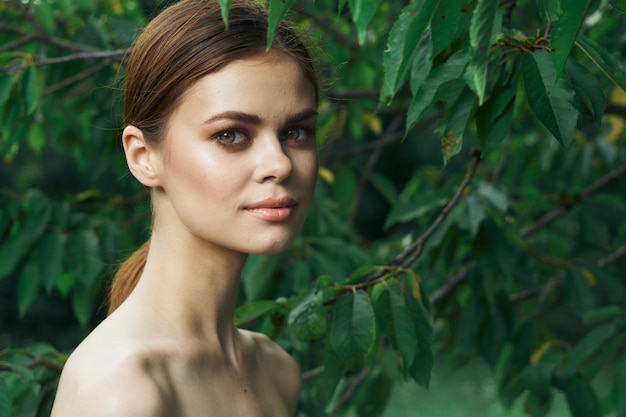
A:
(513, 253)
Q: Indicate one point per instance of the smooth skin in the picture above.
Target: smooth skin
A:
(234, 175)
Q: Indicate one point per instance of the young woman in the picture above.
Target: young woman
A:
(223, 133)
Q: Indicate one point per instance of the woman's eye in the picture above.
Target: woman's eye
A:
(231, 137)
(296, 134)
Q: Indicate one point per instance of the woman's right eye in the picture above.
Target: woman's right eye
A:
(231, 137)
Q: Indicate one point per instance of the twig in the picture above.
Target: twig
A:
(50, 40)
(354, 386)
(33, 363)
(451, 285)
(613, 257)
(564, 207)
(75, 78)
(390, 132)
(414, 251)
(313, 373)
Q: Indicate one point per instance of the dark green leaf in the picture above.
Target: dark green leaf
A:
(537, 405)
(5, 399)
(14, 248)
(385, 187)
(32, 89)
(404, 37)
(6, 86)
(362, 13)
(552, 9)
(278, 9)
(602, 314)
(422, 64)
(607, 63)
(550, 100)
(353, 328)
(253, 310)
(307, 320)
(538, 378)
(587, 346)
(51, 247)
(450, 70)
(587, 88)
(480, 34)
(28, 287)
(422, 365)
(258, 275)
(414, 209)
(565, 30)
(82, 303)
(619, 387)
(581, 399)
(446, 23)
(394, 318)
(456, 123)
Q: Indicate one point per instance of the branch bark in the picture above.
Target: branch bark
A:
(560, 210)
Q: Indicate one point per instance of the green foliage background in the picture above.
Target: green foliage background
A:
(471, 201)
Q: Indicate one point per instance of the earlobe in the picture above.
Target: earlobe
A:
(139, 156)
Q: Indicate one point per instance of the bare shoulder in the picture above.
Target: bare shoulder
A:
(104, 384)
(280, 367)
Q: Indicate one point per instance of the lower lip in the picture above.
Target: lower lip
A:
(274, 214)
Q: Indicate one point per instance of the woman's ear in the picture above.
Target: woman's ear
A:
(140, 157)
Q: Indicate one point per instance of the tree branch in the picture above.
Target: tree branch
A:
(566, 206)
(75, 78)
(354, 386)
(613, 257)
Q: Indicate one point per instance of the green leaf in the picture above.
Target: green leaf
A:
(27, 287)
(404, 38)
(5, 399)
(456, 123)
(537, 405)
(353, 328)
(82, 303)
(416, 302)
(394, 319)
(225, 7)
(497, 198)
(414, 209)
(384, 186)
(480, 31)
(36, 138)
(15, 247)
(91, 263)
(565, 30)
(588, 88)
(587, 346)
(538, 378)
(51, 248)
(551, 9)
(278, 9)
(6, 86)
(619, 388)
(258, 275)
(581, 399)
(44, 14)
(450, 70)
(362, 13)
(550, 100)
(32, 89)
(253, 310)
(421, 65)
(446, 23)
(612, 68)
(307, 320)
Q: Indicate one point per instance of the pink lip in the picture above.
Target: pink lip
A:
(272, 209)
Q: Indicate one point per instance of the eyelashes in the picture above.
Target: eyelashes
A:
(235, 138)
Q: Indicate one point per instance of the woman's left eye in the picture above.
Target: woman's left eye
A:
(296, 134)
(231, 137)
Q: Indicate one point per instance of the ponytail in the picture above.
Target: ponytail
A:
(127, 277)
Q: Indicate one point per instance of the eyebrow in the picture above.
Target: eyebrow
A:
(254, 119)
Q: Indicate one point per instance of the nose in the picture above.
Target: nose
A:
(273, 163)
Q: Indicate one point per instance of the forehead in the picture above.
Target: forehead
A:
(268, 83)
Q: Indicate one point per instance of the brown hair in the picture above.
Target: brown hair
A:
(181, 45)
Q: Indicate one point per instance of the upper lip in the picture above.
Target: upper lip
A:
(272, 202)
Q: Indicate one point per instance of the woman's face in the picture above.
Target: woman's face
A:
(238, 165)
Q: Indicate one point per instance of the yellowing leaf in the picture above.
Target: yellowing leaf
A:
(543, 349)
(373, 122)
(617, 123)
(326, 174)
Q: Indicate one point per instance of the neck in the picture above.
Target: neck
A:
(193, 287)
